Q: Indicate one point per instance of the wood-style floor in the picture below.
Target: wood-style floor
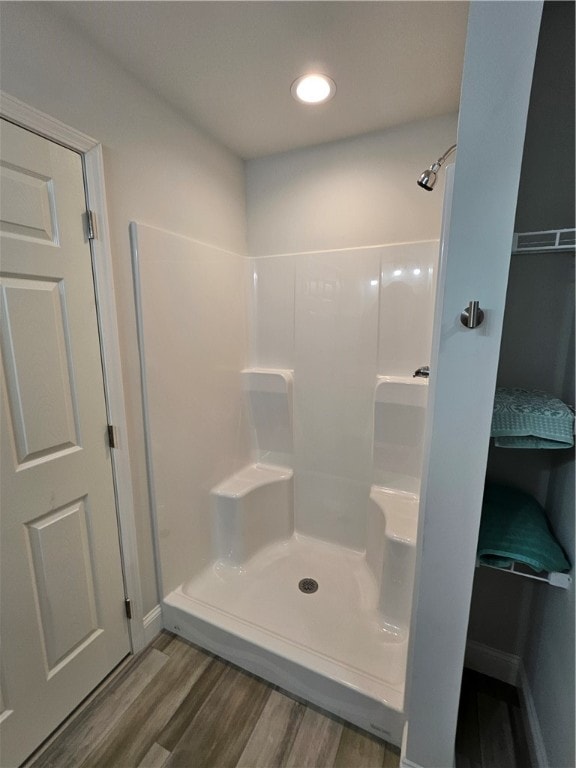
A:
(491, 731)
(176, 705)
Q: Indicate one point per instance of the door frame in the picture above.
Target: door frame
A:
(38, 122)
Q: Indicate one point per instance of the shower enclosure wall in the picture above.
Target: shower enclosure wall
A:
(284, 438)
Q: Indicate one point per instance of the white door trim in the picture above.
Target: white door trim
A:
(28, 117)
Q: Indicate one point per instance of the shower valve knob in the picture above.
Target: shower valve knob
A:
(472, 316)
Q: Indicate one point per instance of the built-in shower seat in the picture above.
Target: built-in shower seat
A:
(252, 509)
(391, 528)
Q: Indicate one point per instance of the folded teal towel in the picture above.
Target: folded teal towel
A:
(514, 527)
(525, 418)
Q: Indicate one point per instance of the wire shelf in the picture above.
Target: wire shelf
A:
(554, 578)
(554, 240)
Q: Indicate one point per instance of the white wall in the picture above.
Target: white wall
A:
(159, 170)
(338, 319)
(348, 194)
(195, 345)
(335, 350)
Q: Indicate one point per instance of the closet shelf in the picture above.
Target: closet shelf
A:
(550, 240)
(554, 578)
(515, 536)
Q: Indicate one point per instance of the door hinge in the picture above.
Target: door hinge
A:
(91, 228)
(128, 607)
(112, 436)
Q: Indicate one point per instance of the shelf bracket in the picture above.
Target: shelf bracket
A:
(554, 578)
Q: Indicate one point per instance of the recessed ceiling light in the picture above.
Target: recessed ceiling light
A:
(313, 89)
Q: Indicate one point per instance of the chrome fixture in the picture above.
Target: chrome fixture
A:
(428, 178)
(308, 586)
(424, 372)
(472, 316)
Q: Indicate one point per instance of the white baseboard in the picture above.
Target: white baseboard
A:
(536, 747)
(404, 761)
(508, 668)
(492, 662)
(152, 624)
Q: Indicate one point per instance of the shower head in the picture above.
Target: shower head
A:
(428, 179)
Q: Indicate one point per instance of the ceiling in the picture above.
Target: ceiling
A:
(228, 66)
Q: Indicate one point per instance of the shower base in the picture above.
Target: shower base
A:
(330, 647)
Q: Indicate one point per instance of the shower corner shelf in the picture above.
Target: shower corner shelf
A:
(554, 578)
(277, 380)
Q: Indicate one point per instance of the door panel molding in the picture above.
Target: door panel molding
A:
(46, 358)
(64, 626)
(18, 112)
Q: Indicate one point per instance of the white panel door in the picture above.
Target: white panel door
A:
(63, 622)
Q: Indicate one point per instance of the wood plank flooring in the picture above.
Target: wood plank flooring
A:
(490, 727)
(176, 706)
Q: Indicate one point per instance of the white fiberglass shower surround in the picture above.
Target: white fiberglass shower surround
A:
(284, 439)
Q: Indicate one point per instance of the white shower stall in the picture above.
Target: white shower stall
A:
(288, 440)
(284, 434)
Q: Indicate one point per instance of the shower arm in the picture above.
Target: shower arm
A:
(428, 177)
(442, 160)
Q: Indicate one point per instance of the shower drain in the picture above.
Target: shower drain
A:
(308, 586)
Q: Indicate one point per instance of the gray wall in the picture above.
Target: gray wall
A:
(546, 195)
(549, 655)
(538, 351)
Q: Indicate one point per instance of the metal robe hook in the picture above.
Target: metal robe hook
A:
(472, 316)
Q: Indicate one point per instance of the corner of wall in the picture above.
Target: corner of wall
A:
(536, 746)
(152, 624)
